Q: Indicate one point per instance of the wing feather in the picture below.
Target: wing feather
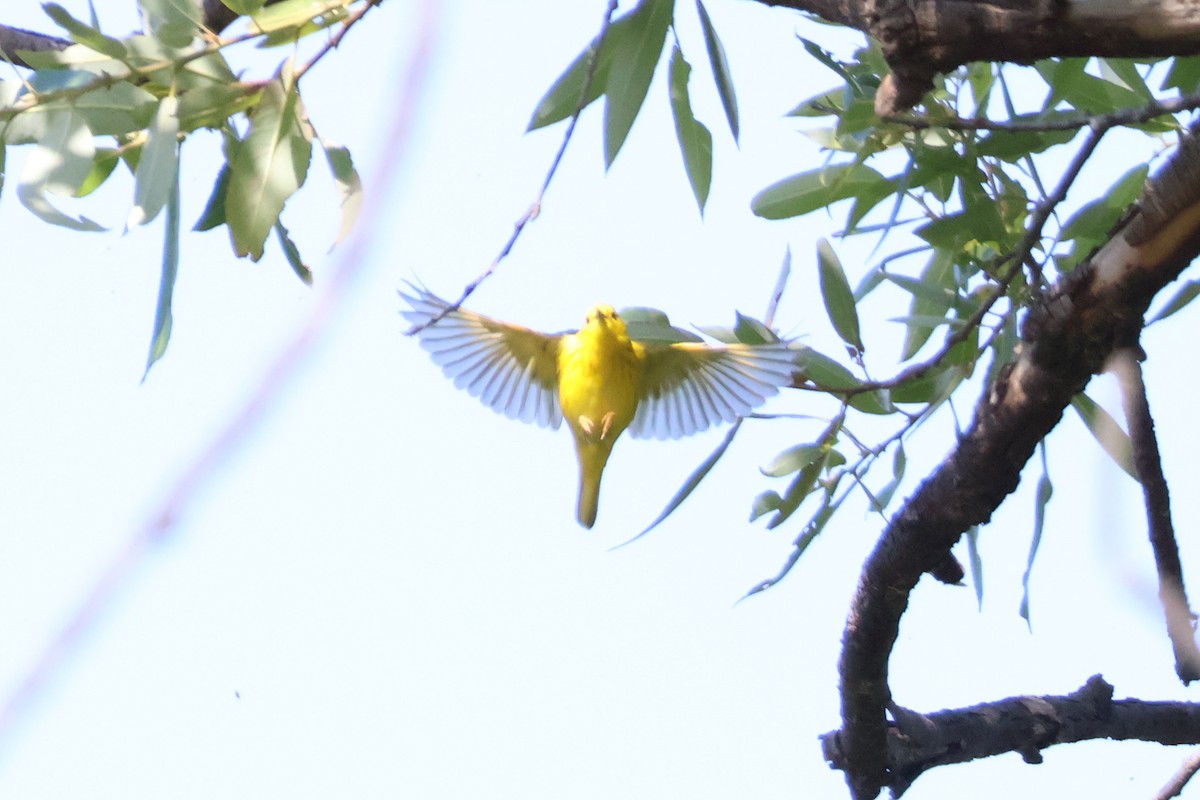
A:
(511, 369)
(688, 387)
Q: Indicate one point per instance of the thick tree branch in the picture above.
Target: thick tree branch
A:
(13, 40)
(1025, 725)
(1066, 339)
(1181, 622)
(923, 37)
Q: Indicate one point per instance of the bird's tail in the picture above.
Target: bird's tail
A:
(592, 458)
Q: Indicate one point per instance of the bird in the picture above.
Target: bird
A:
(599, 379)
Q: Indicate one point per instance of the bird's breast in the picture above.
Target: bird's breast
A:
(599, 383)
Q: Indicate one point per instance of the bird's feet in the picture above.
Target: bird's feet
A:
(589, 425)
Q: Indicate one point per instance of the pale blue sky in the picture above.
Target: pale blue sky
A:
(385, 593)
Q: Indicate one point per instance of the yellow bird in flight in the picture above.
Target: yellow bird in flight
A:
(598, 378)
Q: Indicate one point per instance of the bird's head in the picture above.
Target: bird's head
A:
(604, 316)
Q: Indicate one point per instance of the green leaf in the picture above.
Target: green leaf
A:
(720, 68)
(934, 294)
(1107, 432)
(1096, 219)
(1013, 146)
(652, 325)
(84, 34)
(825, 104)
(636, 52)
(794, 459)
(815, 525)
(214, 211)
(764, 504)
(976, 563)
(293, 13)
(695, 142)
(823, 371)
(243, 7)
(931, 320)
(1045, 490)
(173, 22)
(211, 106)
(157, 171)
(1124, 73)
(290, 35)
(292, 254)
(692, 482)
(878, 402)
(839, 299)
(117, 110)
(349, 185)
(932, 384)
(166, 285)
(1183, 75)
(1186, 294)
(982, 77)
(801, 487)
(59, 163)
(884, 496)
(979, 222)
(939, 277)
(806, 480)
(749, 330)
(104, 162)
(1071, 84)
(269, 165)
(561, 99)
(819, 188)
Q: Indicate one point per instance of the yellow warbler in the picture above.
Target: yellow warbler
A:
(598, 379)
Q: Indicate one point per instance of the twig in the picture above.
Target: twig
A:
(336, 38)
(1125, 365)
(1174, 787)
(536, 207)
(1124, 116)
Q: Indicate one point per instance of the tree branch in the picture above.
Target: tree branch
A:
(1180, 619)
(15, 39)
(1066, 338)
(1026, 725)
(921, 38)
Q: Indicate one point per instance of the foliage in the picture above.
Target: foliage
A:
(958, 191)
(147, 93)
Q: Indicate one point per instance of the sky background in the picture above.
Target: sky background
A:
(383, 593)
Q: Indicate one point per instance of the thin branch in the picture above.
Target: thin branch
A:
(1181, 622)
(531, 214)
(1174, 787)
(1121, 117)
(336, 39)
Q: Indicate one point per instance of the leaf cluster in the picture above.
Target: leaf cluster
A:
(961, 186)
(108, 101)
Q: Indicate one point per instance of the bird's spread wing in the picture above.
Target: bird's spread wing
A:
(511, 369)
(688, 387)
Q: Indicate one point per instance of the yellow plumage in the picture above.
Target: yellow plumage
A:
(598, 379)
